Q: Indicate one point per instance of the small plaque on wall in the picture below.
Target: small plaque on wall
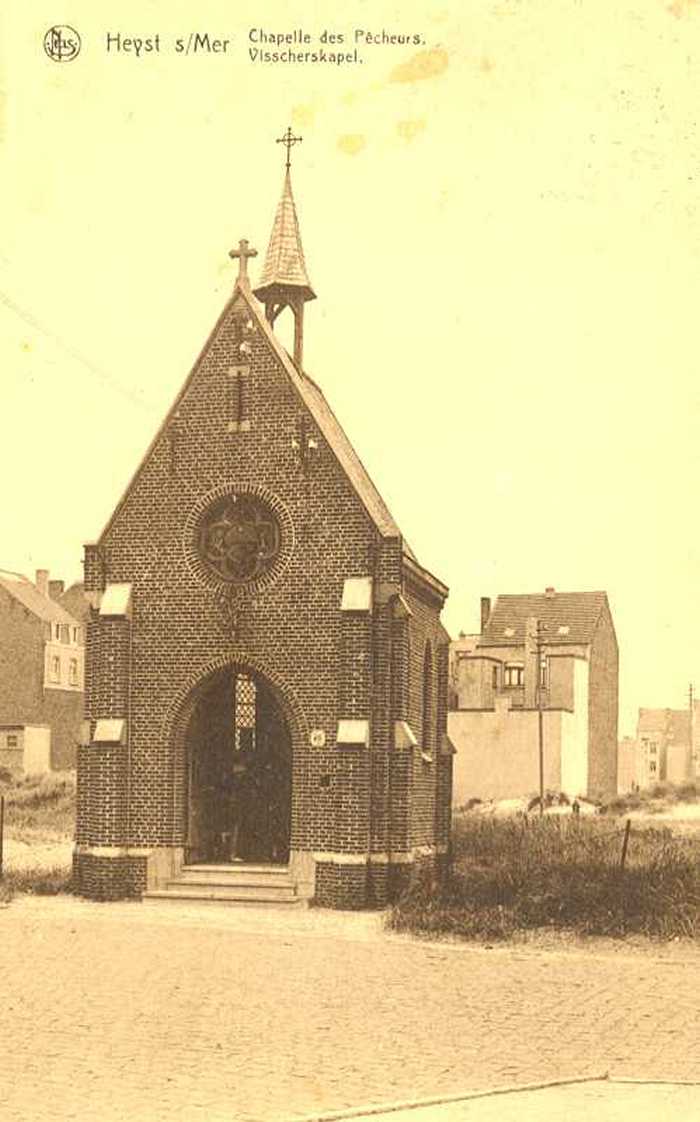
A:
(317, 738)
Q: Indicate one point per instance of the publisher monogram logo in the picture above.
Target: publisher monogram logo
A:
(62, 43)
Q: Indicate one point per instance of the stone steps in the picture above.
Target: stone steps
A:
(238, 874)
(237, 884)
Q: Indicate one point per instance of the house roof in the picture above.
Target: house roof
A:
(75, 602)
(672, 724)
(27, 594)
(569, 617)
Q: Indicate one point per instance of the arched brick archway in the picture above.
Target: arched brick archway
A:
(184, 711)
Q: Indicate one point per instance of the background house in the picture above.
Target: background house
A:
(41, 671)
(665, 746)
(498, 678)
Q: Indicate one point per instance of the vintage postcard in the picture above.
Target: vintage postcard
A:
(349, 732)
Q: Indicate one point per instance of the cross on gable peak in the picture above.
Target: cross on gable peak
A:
(242, 254)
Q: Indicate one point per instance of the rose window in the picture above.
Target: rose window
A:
(239, 538)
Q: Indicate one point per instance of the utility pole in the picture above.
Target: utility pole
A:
(539, 641)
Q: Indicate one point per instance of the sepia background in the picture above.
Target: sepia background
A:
(502, 228)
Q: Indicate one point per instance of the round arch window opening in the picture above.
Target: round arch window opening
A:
(239, 538)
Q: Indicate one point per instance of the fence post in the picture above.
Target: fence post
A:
(625, 842)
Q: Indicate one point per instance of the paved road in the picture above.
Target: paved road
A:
(127, 1011)
(581, 1102)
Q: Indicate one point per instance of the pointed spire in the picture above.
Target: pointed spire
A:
(284, 277)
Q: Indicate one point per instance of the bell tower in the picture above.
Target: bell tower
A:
(284, 282)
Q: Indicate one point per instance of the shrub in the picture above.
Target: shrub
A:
(36, 882)
(654, 799)
(518, 874)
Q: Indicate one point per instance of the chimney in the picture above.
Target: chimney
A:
(56, 589)
(485, 612)
(550, 593)
(42, 581)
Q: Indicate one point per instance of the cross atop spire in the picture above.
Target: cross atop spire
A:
(243, 253)
(289, 141)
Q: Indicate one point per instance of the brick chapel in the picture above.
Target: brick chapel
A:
(266, 670)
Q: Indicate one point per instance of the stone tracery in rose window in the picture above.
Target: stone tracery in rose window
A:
(239, 538)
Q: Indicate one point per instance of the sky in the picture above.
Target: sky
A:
(500, 222)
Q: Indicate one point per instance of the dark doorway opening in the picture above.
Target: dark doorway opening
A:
(239, 773)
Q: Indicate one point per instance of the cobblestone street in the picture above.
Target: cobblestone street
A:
(129, 1012)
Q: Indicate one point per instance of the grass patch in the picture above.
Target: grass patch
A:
(653, 800)
(39, 814)
(39, 808)
(520, 874)
(47, 881)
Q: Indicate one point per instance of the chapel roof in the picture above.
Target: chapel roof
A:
(568, 617)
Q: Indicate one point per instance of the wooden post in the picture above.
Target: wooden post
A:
(625, 842)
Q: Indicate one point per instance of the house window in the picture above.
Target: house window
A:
(73, 672)
(57, 630)
(55, 672)
(12, 740)
(494, 677)
(513, 675)
(652, 766)
(652, 749)
(75, 634)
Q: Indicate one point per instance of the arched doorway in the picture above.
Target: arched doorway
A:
(239, 771)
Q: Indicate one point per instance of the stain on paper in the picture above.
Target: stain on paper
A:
(303, 116)
(424, 65)
(408, 130)
(680, 8)
(351, 143)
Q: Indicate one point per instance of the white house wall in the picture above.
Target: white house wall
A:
(498, 752)
(574, 751)
(37, 749)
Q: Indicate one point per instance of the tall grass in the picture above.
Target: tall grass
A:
(654, 800)
(517, 874)
(39, 812)
(39, 808)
